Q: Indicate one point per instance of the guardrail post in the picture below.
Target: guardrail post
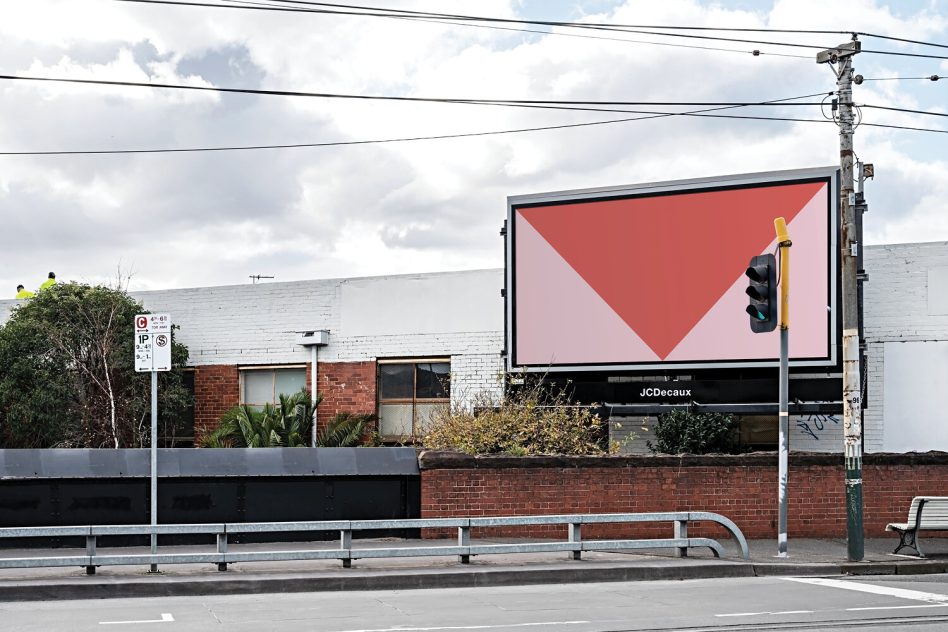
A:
(576, 536)
(222, 549)
(345, 544)
(90, 551)
(464, 539)
(681, 531)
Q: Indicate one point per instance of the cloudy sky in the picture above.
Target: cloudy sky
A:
(215, 218)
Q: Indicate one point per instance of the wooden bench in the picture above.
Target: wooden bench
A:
(926, 513)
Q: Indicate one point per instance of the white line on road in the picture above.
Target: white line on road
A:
(901, 593)
(165, 618)
(760, 614)
(926, 605)
(473, 627)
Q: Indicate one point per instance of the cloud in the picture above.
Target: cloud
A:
(212, 218)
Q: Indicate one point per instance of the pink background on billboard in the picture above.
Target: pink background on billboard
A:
(569, 322)
(562, 319)
(662, 261)
(724, 332)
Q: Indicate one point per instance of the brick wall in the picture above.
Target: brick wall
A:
(216, 389)
(345, 387)
(743, 488)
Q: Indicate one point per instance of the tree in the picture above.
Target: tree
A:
(286, 424)
(67, 374)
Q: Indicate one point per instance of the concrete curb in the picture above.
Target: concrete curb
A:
(249, 583)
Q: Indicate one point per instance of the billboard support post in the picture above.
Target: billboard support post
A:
(783, 417)
(849, 251)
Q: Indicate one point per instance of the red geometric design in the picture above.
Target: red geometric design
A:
(661, 262)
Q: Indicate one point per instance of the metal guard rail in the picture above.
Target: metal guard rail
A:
(574, 545)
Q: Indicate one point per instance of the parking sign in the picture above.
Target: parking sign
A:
(152, 342)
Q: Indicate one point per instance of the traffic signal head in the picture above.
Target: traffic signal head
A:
(762, 292)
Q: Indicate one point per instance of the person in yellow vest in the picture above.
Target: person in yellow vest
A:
(50, 282)
(22, 292)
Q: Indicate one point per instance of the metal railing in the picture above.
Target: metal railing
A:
(574, 544)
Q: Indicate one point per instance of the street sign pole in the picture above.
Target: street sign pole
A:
(154, 467)
(153, 354)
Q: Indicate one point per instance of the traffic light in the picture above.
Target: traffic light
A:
(762, 291)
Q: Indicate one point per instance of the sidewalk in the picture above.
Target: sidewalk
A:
(806, 557)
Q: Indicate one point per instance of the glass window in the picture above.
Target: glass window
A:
(396, 381)
(264, 386)
(432, 380)
(410, 393)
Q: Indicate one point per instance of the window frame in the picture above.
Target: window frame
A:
(273, 368)
(414, 400)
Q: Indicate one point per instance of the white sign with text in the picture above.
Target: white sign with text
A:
(152, 342)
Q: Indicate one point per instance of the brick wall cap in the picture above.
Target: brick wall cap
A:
(446, 460)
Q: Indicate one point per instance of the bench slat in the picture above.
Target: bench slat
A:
(934, 514)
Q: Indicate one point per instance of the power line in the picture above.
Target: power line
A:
(928, 78)
(902, 39)
(625, 40)
(703, 113)
(376, 13)
(640, 26)
(649, 115)
(905, 110)
(356, 10)
(549, 104)
(906, 127)
(898, 54)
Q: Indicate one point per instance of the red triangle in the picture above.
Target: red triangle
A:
(662, 262)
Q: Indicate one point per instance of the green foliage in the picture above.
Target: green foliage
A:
(286, 424)
(534, 420)
(686, 432)
(344, 430)
(67, 374)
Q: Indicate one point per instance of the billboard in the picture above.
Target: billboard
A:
(651, 277)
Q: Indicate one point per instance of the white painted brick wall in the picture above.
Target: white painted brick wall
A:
(257, 324)
(477, 378)
(896, 309)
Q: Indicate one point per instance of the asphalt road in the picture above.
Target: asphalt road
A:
(725, 605)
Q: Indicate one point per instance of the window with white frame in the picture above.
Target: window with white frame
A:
(410, 391)
(264, 385)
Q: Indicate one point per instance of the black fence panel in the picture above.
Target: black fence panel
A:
(207, 486)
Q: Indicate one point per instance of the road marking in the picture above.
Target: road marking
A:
(927, 605)
(471, 627)
(760, 614)
(901, 593)
(165, 618)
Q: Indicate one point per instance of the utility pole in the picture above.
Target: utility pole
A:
(849, 251)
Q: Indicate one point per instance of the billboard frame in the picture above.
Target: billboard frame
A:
(830, 174)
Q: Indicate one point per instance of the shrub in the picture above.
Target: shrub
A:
(533, 420)
(686, 432)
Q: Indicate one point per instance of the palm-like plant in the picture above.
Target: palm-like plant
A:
(344, 430)
(286, 424)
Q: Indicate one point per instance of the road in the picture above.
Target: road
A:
(718, 605)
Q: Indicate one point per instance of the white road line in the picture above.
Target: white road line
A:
(901, 593)
(761, 614)
(927, 605)
(472, 627)
(165, 618)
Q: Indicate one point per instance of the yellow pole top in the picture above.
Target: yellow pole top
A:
(780, 224)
